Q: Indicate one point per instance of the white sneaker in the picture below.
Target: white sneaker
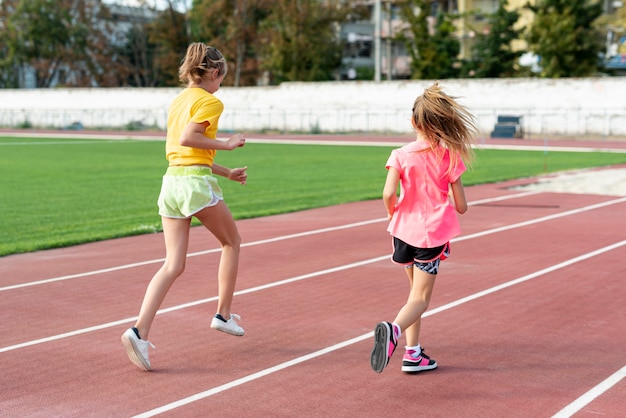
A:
(136, 348)
(229, 327)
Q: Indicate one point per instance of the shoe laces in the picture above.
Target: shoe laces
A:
(146, 343)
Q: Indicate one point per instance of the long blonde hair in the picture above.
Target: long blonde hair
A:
(198, 63)
(445, 122)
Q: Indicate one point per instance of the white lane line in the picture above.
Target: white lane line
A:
(248, 244)
(58, 143)
(551, 148)
(289, 280)
(191, 304)
(542, 219)
(592, 394)
(252, 377)
(504, 197)
(302, 359)
(335, 142)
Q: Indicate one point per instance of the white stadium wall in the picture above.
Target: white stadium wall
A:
(568, 107)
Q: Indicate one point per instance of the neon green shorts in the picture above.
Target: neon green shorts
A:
(186, 190)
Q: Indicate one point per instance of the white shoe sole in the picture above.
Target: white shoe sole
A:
(134, 354)
(228, 330)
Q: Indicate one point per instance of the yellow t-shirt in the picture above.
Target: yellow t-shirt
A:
(191, 105)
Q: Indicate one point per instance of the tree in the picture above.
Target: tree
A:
(445, 63)
(151, 47)
(299, 40)
(169, 36)
(9, 68)
(492, 55)
(232, 26)
(430, 42)
(137, 63)
(563, 36)
(55, 38)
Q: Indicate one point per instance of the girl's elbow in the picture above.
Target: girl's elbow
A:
(461, 209)
(184, 141)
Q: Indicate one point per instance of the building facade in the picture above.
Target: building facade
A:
(361, 38)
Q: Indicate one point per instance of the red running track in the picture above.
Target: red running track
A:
(527, 319)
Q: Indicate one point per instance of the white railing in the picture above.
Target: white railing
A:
(607, 122)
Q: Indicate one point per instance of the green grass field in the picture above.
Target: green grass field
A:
(61, 192)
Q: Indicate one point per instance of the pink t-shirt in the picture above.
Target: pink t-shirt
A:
(424, 216)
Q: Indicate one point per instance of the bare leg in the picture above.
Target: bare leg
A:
(410, 316)
(220, 222)
(176, 235)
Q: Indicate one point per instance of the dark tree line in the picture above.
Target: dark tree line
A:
(79, 43)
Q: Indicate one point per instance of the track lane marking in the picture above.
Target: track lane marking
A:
(592, 394)
(246, 379)
(248, 244)
(286, 281)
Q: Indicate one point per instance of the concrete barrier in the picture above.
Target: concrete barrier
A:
(572, 107)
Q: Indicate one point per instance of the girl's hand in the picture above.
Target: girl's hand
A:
(238, 174)
(236, 141)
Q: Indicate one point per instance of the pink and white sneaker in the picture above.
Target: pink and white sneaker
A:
(413, 362)
(385, 342)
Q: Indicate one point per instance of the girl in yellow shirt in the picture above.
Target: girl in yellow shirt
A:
(190, 189)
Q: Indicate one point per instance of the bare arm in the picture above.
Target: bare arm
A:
(458, 196)
(390, 191)
(193, 136)
(236, 174)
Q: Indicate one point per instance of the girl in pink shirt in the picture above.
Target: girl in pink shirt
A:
(423, 218)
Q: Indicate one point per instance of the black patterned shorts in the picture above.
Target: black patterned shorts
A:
(425, 259)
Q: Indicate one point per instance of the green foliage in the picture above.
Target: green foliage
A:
(60, 192)
(232, 27)
(433, 52)
(492, 55)
(291, 40)
(169, 34)
(9, 65)
(77, 43)
(299, 40)
(50, 35)
(137, 56)
(563, 36)
(365, 73)
(151, 52)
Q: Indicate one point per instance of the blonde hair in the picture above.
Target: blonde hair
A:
(199, 62)
(443, 121)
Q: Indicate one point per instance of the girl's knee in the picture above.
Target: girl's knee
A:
(233, 242)
(237, 241)
(419, 300)
(174, 268)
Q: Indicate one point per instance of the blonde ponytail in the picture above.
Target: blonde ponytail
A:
(199, 63)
